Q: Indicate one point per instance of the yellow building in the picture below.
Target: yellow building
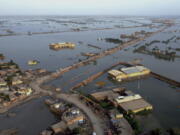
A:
(25, 91)
(57, 46)
(128, 72)
(118, 116)
(117, 75)
(135, 71)
(32, 62)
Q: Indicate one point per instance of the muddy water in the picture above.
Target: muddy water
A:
(164, 98)
(30, 119)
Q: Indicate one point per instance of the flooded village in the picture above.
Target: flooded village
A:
(89, 76)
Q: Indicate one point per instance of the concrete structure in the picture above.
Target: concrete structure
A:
(25, 91)
(32, 62)
(59, 127)
(120, 123)
(136, 105)
(2, 82)
(117, 75)
(135, 71)
(128, 73)
(122, 99)
(57, 46)
(73, 116)
(17, 80)
(108, 94)
(6, 88)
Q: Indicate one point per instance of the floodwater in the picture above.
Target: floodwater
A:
(30, 119)
(22, 47)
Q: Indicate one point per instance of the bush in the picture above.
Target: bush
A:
(114, 40)
(76, 131)
(156, 131)
(106, 105)
(133, 122)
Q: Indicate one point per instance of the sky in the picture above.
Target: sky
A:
(89, 7)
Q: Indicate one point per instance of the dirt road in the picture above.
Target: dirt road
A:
(74, 99)
(95, 120)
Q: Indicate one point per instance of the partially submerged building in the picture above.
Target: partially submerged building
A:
(71, 116)
(126, 100)
(135, 71)
(128, 73)
(132, 102)
(107, 94)
(136, 106)
(57, 46)
(117, 75)
(33, 62)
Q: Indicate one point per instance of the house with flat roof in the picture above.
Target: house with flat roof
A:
(3, 82)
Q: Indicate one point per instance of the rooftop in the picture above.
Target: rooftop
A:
(136, 105)
(134, 69)
(115, 72)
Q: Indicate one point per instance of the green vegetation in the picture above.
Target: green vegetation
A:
(76, 131)
(141, 49)
(174, 131)
(152, 42)
(2, 56)
(87, 96)
(130, 117)
(69, 105)
(177, 49)
(166, 55)
(4, 97)
(10, 31)
(156, 131)
(168, 40)
(157, 53)
(106, 105)
(9, 79)
(113, 40)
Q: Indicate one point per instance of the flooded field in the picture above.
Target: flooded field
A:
(27, 38)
